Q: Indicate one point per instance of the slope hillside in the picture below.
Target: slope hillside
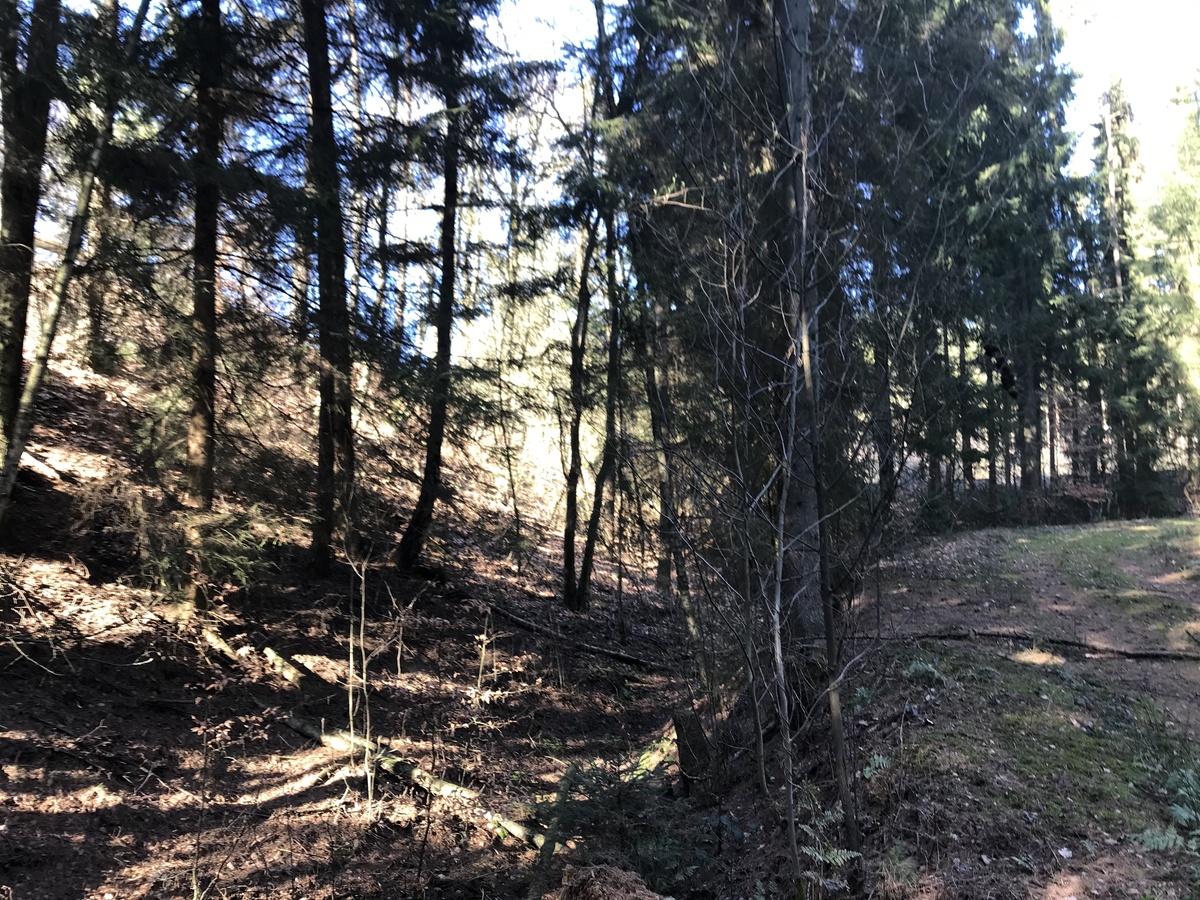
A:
(1022, 714)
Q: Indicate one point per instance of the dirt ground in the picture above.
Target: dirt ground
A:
(1100, 626)
(1018, 701)
(136, 763)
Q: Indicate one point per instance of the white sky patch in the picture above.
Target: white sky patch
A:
(1151, 46)
(538, 29)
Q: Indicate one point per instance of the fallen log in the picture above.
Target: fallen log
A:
(378, 753)
(618, 655)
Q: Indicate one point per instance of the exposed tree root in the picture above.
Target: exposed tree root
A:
(1042, 640)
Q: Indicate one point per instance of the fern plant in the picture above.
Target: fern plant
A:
(820, 834)
(1184, 831)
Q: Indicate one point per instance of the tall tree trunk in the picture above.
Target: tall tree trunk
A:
(1029, 428)
(803, 518)
(23, 418)
(335, 438)
(1052, 428)
(25, 106)
(608, 455)
(575, 587)
(301, 321)
(966, 429)
(579, 330)
(415, 535)
(993, 440)
(798, 503)
(210, 126)
(656, 363)
(1095, 417)
(100, 348)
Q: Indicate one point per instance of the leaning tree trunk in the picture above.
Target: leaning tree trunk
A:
(25, 100)
(335, 439)
(23, 417)
(417, 532)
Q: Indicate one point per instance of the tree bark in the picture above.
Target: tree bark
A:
(803, 571)
(608, 455)
(798, 503)
(25, 100)
(100, 348)
(967, 430)
(23, 418)
(658, 386)
(335, 439)
(413, 541)
(583, 306)
(210, 126)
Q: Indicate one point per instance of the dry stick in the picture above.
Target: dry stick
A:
(344, 741)
(1025, 636)
(579, 645)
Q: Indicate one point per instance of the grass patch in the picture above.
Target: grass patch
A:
(1087, 557)
(1090, 556)
(1040, 751)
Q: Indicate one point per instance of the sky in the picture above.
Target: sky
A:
(1151, 45)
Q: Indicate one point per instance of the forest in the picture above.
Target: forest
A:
(739, 456)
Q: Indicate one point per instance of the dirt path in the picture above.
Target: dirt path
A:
(1070, 742)
(1128, 587)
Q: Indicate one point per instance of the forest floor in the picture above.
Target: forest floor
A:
(1042, 716)
(1023, 705)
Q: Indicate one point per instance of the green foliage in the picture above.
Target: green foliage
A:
(630, 823)
(134, 534)
(898, 871)
(937, 514)
(919, 670)
(821, 841)
(862, 699)
(876, 764)
(232, 551)
(1183, 833)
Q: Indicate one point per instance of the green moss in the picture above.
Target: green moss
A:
(1090, 556)
(1038, 745)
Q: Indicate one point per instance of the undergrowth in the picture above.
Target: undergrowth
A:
(134, 534)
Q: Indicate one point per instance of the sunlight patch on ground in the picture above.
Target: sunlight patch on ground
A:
(1066, 887)
(53, 462)
(1184, 636)
(1037, 657)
